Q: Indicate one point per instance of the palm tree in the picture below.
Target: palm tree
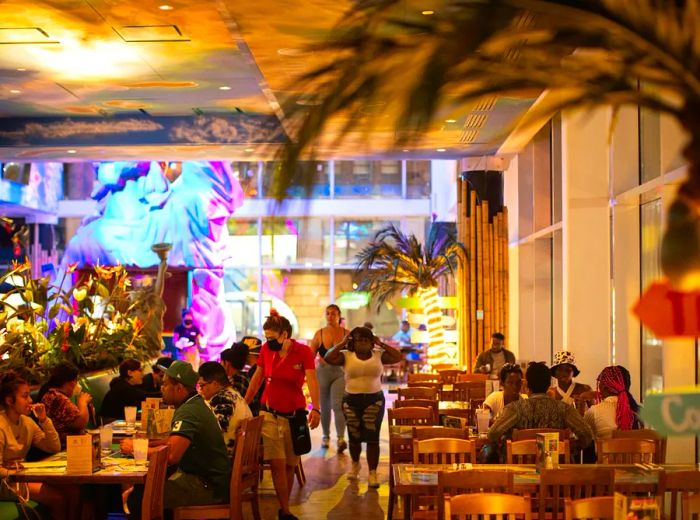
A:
(582, 53)
(394, 262)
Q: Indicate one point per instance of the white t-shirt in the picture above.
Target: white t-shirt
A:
(363, 376)
(495, 402)
(601, 417)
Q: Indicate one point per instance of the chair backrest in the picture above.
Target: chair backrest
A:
(246, 460)
(449, 375)
(531, 433)
(574, 483)
(426, 384)
(411, 416)
(451, 483)
(422, 403)
(660, 440)
(444, 451)
(625, 451)
(440, 432)
(498, 505)
(690, 506)
(418, 392)
(678, 482)
(152, 502)
(525, 452)
(461, 391)
(593, 508)
(421, 378)
(472, 377)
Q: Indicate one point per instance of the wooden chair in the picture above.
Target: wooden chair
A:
(625, 451)
(418, 392)
(152, 502)
(449, 376)
(677, 482)
(244, 478)
(491, 505)
(444, 451)
(423, 378)
(472, 378)
(594, 508)
(690, 506)
(422, 403)
(573, 483)
(525, 452)
(660, 440)
(411, 416)
(460, 391)
(451, 483)
(440, 432)
(531, 433)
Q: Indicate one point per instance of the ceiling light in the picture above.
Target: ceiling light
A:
(450, 120)
(405, 149)
(165, 7)
(441, 150)
(71, 151)
(21, 70)
(250, 150)
(427, 13)
(15, 91)
(225, 87)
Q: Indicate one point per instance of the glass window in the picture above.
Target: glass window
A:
(241, 292)
(351, 236)
(652, 355)
(247, 174)
(320, 187)
(243, 245)
(296, 242)
(417, 179)
(650, 144)
(377, 179)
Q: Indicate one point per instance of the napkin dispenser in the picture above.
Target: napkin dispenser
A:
(83, 453)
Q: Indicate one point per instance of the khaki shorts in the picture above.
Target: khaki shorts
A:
(277, 439)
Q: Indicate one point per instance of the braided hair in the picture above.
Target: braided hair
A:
(616, 380)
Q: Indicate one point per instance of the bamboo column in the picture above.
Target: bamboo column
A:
(482, 280)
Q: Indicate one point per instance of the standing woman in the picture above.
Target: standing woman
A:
(18, 433)
(55, 395)
(187, 338)
(363, 355)
(284, 364)
(331, 379)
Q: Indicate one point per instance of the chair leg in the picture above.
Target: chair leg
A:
(299, 472)
(255, 503)
(390, 512)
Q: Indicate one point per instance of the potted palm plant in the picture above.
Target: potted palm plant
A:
(394, 263)
(417, 64)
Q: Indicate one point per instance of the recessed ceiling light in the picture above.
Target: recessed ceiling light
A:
(441, 150)
(166, 7)
(71, 151)
(250, 150)
(405, 149)
(225, 87)
(21, 70)
(427, 13)
(450, 120)
(15, 91)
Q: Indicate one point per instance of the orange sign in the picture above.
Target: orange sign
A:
(668, 312)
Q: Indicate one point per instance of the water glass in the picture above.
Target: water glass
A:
(140, 448)
(482, 421)
(106, 438)
(130, 416)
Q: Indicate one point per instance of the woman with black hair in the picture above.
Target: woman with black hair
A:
(124, 390)
(616, 409)
(188, 339)
(56, 393)
(363, 355)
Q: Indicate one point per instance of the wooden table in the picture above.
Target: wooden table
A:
(116, 469)
(411, 480)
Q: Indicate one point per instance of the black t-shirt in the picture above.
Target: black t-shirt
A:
(190, 333)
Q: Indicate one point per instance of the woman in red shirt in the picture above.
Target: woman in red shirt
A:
(284, 364)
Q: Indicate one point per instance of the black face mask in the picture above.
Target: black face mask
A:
(188, 322)
(274, 345)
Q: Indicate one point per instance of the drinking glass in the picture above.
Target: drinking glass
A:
(130, 416)
(140, 448)
(482, 421)
(106, 438)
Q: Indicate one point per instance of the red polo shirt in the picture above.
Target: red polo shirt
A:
(284, 376)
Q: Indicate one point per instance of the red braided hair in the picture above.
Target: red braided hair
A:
(612, 379)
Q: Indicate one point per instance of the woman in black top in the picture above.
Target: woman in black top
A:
(124, 390)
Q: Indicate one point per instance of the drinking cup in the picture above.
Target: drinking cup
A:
(130, 416)
(106, 438)
(482, 421)
(140, 448)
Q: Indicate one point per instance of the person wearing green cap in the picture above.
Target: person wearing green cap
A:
(196, 445)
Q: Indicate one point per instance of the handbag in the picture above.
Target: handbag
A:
(21, 492)
(301, 436)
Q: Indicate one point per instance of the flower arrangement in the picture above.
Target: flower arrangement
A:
(94, 324)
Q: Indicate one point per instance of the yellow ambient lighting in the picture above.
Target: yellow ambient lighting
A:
(225, 88)
(250, 150)
(441, 150)
(427, 13)
(450, 120)
(21, 70)
(165, 7)
(15, 91)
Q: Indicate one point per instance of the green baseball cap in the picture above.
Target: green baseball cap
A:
(182, 372)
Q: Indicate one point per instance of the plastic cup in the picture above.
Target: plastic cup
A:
(482, 421)
(106, 438)
(140, 448)
(130, 416)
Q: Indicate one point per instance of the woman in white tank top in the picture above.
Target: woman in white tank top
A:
(363, 356)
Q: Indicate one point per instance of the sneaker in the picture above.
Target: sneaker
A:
(281, 515)
(354, 472)
(325, 443)
(342, 445)
(372, 480)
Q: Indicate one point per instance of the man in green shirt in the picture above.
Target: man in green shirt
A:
(196, 445)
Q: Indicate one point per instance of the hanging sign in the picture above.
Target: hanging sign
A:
(668, 312)
(673, 413)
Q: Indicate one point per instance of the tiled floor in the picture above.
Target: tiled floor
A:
(328, 494)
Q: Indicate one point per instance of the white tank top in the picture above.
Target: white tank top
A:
(363, 376)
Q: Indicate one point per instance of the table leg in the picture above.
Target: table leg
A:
(407, 512)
